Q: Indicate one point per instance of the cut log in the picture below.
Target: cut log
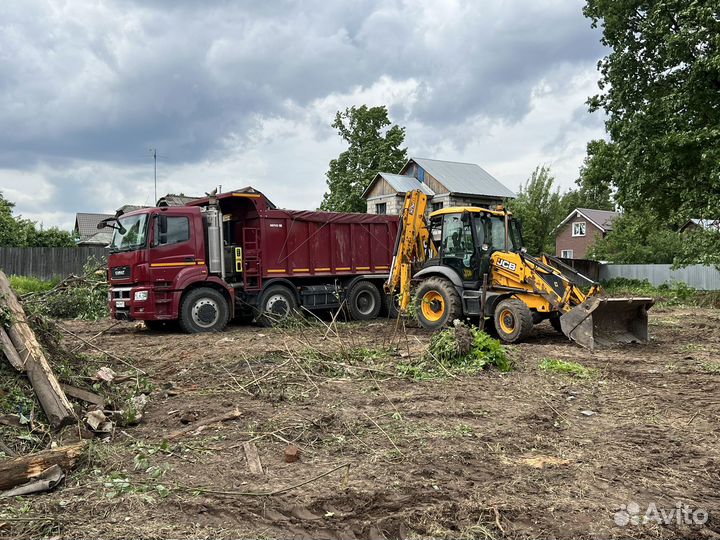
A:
(46, 386)
(253, 458)
(9, 351)
(206, 422)
(17, 471)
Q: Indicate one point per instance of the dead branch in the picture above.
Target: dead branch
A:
(206, 422)
(19, 470)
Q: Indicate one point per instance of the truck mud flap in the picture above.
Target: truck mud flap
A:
(603, 322)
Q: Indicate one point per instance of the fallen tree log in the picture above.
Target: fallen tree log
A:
(9, 351)
(46, 386)
(18, 470)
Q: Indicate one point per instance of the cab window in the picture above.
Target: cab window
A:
(171, 230)
(457, 236)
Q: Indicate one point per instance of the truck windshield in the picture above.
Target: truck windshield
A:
(135, 228)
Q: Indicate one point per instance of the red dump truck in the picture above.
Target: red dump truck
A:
(234, 255)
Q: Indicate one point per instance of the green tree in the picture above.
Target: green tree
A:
(16, 231)
(638, 238)
(660, 88)
(374, 145)
(539, 207)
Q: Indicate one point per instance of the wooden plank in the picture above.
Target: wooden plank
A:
(85, 395)
(253, 458)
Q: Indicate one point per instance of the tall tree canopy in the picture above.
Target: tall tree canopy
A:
(660, 87)
(539, 208)
(374, 145)
(16, 231)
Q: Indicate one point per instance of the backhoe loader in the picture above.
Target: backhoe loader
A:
(469, 262)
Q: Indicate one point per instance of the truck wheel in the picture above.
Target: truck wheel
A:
(276, 303)
(364, 301)
(438, 303)
(513, 320)
(203, 310)
(390, 306)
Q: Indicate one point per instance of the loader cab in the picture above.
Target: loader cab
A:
(466, 238)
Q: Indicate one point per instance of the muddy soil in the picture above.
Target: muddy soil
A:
(525, 454)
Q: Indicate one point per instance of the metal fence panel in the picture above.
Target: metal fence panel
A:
(47, 262)
(697, 276)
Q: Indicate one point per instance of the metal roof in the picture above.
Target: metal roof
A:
(707, 224)
(403, 184)
(86, 224)
(465, 178)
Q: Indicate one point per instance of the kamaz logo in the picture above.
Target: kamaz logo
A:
(502, 263)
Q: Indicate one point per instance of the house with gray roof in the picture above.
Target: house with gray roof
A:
(86, 227)
(580, 230)
(447, 183)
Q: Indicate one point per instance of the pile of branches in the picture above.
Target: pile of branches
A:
(75, 297)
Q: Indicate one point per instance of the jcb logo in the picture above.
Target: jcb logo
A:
(502, 263)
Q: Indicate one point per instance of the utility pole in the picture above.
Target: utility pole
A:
(154, 155)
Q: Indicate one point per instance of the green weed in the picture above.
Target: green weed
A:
(554, 365)
(23, 284)
(674, 294)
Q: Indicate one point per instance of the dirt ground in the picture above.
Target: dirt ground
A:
(524, 454)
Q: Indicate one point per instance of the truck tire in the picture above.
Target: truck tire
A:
(513, 320)
(363, 301)
(437, 302)
(203, 310)
(277, 302)
(390, 306)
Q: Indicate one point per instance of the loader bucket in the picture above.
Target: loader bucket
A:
(602, 322)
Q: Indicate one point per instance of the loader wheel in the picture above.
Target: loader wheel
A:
(203, 310)
(363, 301)
(438, 303)
(513, 320)
(276, 303)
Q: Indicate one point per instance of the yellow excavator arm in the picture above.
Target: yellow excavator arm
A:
(412, 246)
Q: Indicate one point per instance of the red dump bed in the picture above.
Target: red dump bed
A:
(302, 243)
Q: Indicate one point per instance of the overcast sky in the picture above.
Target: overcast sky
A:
(242, 93)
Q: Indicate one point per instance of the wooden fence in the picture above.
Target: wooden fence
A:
(47, 262)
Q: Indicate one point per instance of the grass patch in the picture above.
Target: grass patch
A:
(554, 365)
(710, 367)
(25, 285)
(674, 294)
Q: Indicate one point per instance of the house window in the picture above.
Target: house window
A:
(566, 253)
(578, 228)
(381, 208)
(437, 206)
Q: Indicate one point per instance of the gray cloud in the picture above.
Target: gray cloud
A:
(99, 82)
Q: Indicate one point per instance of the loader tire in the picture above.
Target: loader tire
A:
(513, 320)
(364, 301)
(203, 310)
(437, 303)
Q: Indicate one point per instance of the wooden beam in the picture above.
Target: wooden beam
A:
(46, 386)
(18, 470)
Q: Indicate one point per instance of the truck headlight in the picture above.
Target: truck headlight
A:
(140, 296)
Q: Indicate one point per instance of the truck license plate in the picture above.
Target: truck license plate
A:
(119, 303)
